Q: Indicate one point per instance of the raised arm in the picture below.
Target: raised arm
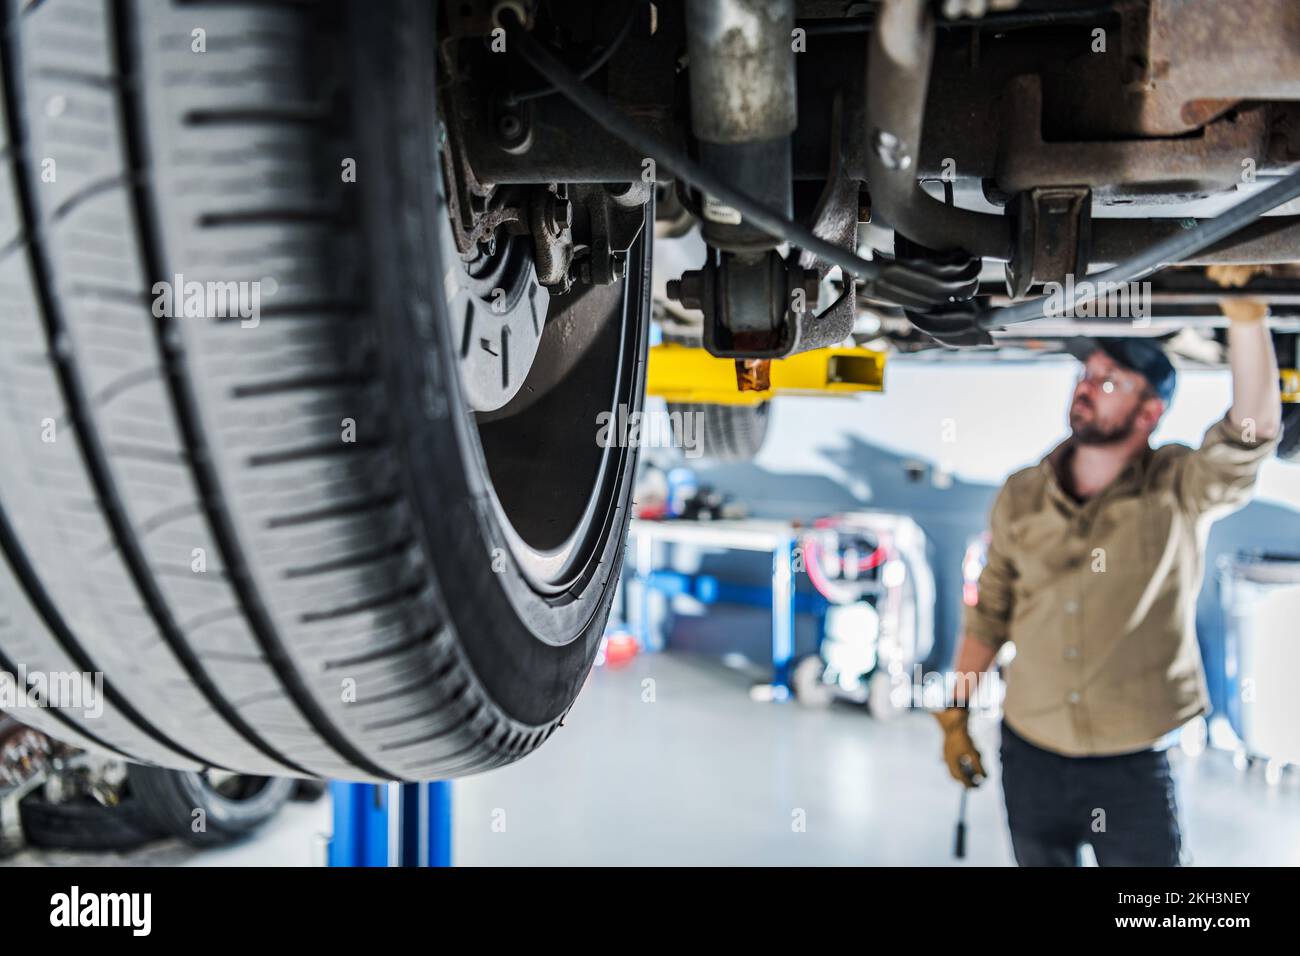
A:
(1254, 371)
(1220, 475)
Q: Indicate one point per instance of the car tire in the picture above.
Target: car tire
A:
(84, 824)
(727, 432)
(287, 547)
(193, 808)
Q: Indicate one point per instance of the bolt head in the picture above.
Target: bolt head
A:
(690, 289)
(509, 126)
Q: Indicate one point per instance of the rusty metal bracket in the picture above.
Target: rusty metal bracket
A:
(1053, 230)
(1203, 57)
(1210, 161)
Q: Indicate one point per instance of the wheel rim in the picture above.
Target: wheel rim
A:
(550, 484)
(537, 457)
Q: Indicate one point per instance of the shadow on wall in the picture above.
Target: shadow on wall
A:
(883, 480)
(879, 480)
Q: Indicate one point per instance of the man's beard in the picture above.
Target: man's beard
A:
(1095, 433)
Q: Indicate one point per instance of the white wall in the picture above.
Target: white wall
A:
(982, 420)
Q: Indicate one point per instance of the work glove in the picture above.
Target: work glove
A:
(1234, 277)
(959, 751)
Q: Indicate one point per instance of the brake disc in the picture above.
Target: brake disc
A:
(498, 310)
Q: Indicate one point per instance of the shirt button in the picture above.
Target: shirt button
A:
(1071, 653)
(1073, 697)
(1071, 607)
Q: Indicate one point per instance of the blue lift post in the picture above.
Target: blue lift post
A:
(394, 824)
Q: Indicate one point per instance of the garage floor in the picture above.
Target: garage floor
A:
(703, 775)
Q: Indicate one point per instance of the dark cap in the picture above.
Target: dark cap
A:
(1139, 355)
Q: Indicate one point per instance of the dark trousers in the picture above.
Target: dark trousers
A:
(1124, 806)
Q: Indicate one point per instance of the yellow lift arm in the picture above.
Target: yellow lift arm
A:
(1291, 386)
(680, 373)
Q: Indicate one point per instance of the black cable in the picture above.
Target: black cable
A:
(678, 163)
(1167, 252)
(514, 99)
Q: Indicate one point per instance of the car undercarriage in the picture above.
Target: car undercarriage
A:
(976, 155)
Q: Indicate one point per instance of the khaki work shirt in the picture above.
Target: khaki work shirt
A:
(1100, 596)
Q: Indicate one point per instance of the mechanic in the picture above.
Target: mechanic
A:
(1094, 565)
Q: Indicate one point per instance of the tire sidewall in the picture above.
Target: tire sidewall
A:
(83, 824)
(170, 798)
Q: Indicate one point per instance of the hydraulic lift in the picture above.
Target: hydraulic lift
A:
(680, 373)
(391, 824)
